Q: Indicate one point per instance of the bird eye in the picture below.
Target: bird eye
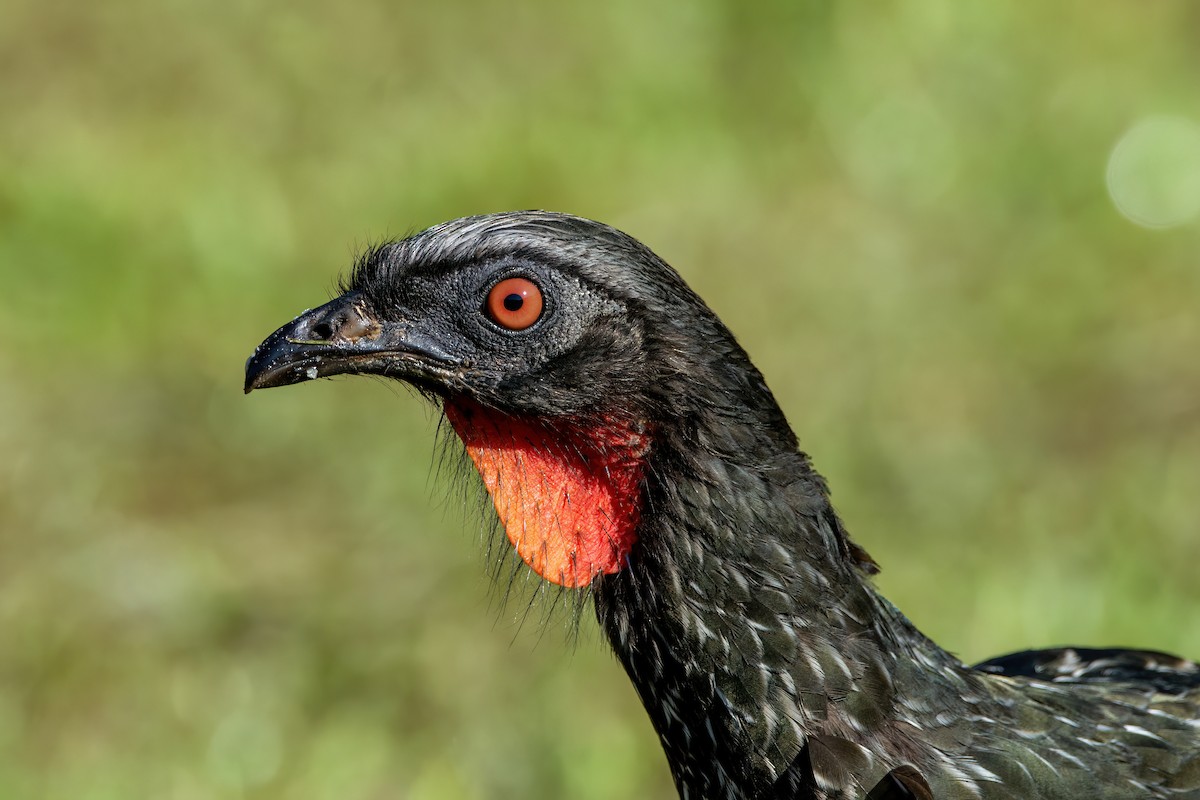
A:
(514, 303)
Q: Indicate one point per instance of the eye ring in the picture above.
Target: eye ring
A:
(514, 303)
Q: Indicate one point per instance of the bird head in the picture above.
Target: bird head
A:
(564, 353)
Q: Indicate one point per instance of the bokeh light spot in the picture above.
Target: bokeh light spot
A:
(1154, 172)
(902, 149)
(245, 751)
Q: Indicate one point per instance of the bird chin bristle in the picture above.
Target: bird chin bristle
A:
(515, 588)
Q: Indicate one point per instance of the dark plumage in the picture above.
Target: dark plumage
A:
(631, 447)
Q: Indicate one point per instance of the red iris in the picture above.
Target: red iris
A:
(515, 303)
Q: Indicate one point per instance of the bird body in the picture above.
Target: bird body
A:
(632, 450)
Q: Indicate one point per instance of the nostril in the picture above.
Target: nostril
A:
(322, 330)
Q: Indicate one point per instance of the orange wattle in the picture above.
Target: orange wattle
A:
(568, 495)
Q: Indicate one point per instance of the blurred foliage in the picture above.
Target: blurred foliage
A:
(900, 208)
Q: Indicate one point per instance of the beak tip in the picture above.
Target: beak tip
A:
(258, 369)
(265, 372)
(248, 383)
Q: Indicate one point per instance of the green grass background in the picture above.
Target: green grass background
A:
(899, 208)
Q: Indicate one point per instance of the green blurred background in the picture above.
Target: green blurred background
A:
(957, 238)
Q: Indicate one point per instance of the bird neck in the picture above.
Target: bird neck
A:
(745, 618)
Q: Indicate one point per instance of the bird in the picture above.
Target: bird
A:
(633, 453)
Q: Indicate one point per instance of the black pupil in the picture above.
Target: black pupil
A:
(513, 302)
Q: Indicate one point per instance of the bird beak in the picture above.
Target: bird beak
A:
(344, 336)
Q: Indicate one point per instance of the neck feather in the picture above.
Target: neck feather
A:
(746, 622)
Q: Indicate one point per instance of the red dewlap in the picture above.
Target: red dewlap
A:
(567, 495)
